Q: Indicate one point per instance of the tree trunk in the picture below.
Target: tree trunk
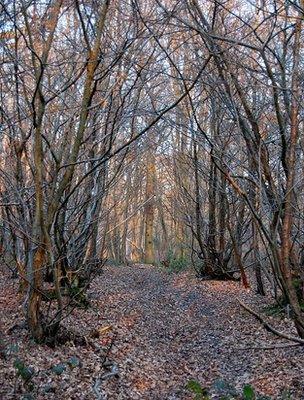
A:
(149, 210)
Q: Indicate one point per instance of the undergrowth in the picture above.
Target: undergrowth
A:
(175, 263)
(226, 391)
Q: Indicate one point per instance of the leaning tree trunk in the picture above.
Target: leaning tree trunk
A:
(288, 218)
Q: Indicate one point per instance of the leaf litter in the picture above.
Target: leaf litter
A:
(149, 334)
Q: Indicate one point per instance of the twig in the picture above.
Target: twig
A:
(114, 372)
(270, 347)
(108, 350)
(96, 387)
(269, 327)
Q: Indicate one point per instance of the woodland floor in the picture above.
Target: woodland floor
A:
(167, 330)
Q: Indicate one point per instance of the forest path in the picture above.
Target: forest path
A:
(168, 329)
(172, 328)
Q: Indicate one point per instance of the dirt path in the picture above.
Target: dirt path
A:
(169, 329)
(172, 329)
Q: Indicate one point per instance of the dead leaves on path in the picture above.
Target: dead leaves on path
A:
(149, 333)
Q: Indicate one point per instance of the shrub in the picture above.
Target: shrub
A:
(175, 263)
